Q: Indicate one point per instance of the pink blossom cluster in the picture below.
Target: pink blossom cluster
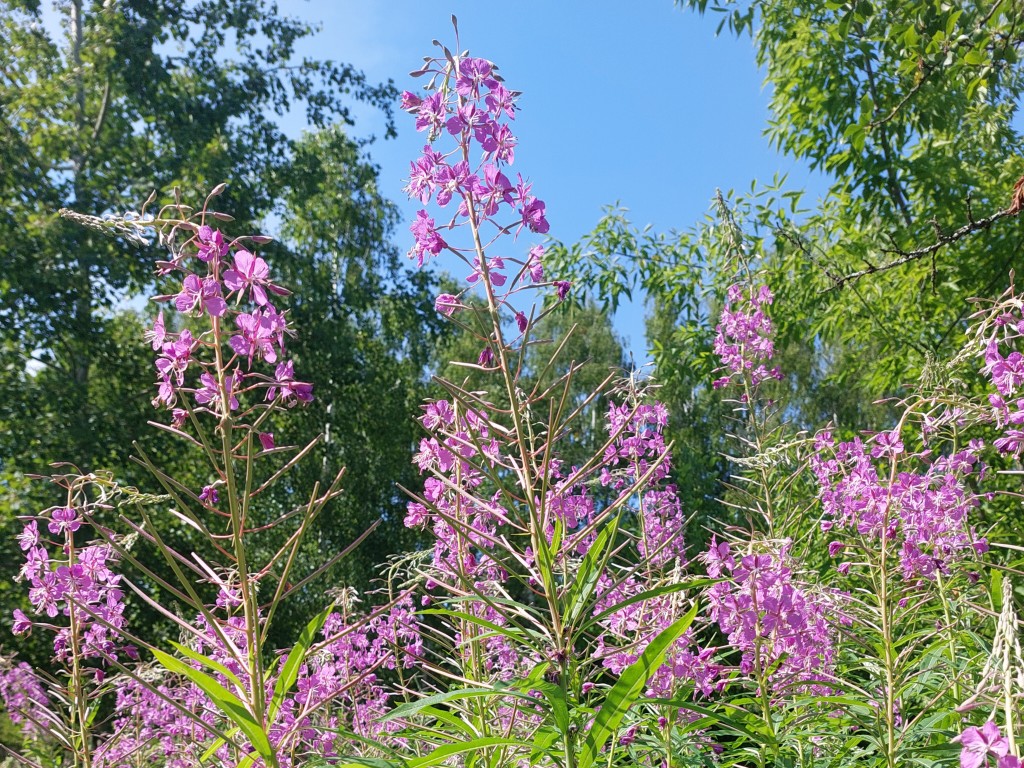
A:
(470, 175)
(743, 337)
(919, 501)
(780, 627)
(76, 584)
(337, 691)
(1004, 367)
(637, 463)
(340, 683)
(462, 524)
(24, 698)
(230, 288)
(638, 458)
(629, 629)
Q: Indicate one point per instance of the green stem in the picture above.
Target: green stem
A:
(237, 508)
(950, 636)
(80, 729)
(526, 476)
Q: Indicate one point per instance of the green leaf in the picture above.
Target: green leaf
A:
(206, 661)
(995, 589)
(226, 702)
(513, 633)
(582, 587)
(559, 706)
(441, 754)
(974, 58)
(293, 661)
(542, 741)
(629, 687)
(413, 707)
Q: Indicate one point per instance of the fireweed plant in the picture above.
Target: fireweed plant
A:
(222, 694)
(844, 613)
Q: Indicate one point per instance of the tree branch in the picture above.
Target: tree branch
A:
(942, 239)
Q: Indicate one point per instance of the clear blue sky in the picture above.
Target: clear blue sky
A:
(636, 102)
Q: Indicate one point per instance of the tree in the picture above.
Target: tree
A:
(908, 108)
(136, 95)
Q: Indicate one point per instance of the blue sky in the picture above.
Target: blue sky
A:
(631, 102)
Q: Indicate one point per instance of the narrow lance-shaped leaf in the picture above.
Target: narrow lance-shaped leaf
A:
(629, 687)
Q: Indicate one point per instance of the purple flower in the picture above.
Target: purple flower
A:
(421, 175)
(211, 244)
(63, 519)
(256, 337)
(494, 190)
(501, 100)
(157, 335)
(45, 593)
(201, 295)
(452, 180)
(286, 389)
(22, 623)
(209, 495)
(466, 117)
(495, 277)
(533, 215)
(431, 113)
(172, 363)
(447, 304)
(563, 287)
(29, 536)
(500, 144)
(266, 440)
(210, 394)
(979, 743)
(251, 272)
(472, 74)
(427, 238)
(410, 102)
(535, 263)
